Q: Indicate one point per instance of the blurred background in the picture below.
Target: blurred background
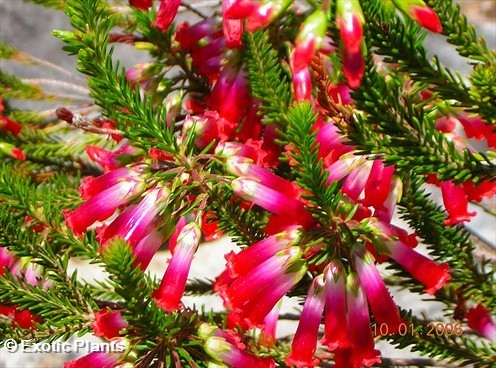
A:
(28, 28)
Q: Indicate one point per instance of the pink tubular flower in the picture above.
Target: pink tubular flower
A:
(7, 260)
(250, 282)
(135, 221)
(359, 332)
(255, 293)
(108, 323)
(109, 160)
(331, 144)
(305, 339)
(171, 289)
(268, 330)
(95, 360)
(302, 84)
(480, 320)
(383, 307)
(102, 205)
(229, 354)
(272, 200)
(336, 328)
(428, 272)
(91, 186)
(147, 247)
(166, 13)
(456, 203)
(242, 166)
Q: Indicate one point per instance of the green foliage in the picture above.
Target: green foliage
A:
(136, 115)
(267, 78)
(244, 226)
(451, 244)
(404, 134)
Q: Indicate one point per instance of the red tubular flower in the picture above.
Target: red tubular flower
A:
(9, 125)
(427, 18)
(95, 360)
(232, 28)
(171, 289)
(349, 21)
(240, 9)
(478, 129)
(456, 203)
(386, 213)
(12, 151)
(336, 328)
(485, 189)
(102, 205)
(421, 13)
(480, 320)
(108, 323)
(252, 256)
(383, 307)
(230, 94)
(305, 339)
(378, 186)
(309, 39)
(208, 127)
(353, 67)
(188, 36)
(166, 13)
(359, 331)
(263, 14)
(141, 4)
(25, 319)
(428, 272)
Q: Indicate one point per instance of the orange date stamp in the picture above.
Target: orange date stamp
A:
(431, 329)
